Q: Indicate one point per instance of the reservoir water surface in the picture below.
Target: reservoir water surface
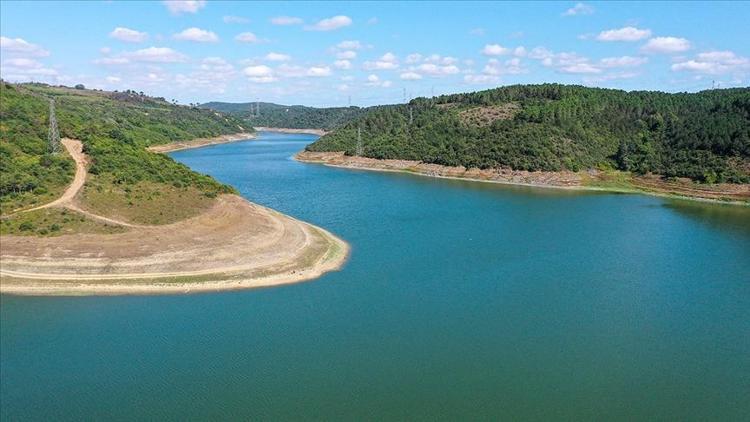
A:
(460, 300)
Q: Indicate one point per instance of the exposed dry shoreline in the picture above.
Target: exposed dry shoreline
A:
(233, 245)
(201, 142)
(311, 131)
(721, 193)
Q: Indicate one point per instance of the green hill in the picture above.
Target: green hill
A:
(295, 117)
(704, 136)
(115, 128)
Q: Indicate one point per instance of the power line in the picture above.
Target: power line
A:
(53, 136)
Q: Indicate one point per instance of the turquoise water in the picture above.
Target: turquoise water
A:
(460, 301)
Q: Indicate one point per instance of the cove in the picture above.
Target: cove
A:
(460, 300)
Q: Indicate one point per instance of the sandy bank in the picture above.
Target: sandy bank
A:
(588, 180)
(234, 245)
(201, 142)
(319, 132)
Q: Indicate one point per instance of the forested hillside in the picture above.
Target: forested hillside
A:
(115, 128)
(295, 117)
(704, 136)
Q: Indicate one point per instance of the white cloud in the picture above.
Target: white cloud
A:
(494, 50)
(593, 80)
(432, 69)
(715, 63)
(387, 61)
(410, 76)
(330, 24)
(666, 45)
(112, 60)
(277, 57)
(177, 7)
(477, 31)
(128, 35)
(25, 69)
(343, 64)
(349, 54)
(481, 79)
(372, 21)
(342, 87)
(374, 80)
(259, 74)
(154, 55)
(349, 45)
(628, 33)
(414, 58)
(512, 66)
(580, 68)
(624, 61)
(19, 46)
(196, 35)
(113, 79)
(318, 71)
(235, 19)
(248, 37)
(579, 9)
(286, 20)
(519, 51)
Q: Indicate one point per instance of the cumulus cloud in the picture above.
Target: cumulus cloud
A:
(249, 38)
(19, 46)
(343, 64)
(277, 57)
(414, 58)
(177, 7)
(259, 74)
(154, 55)
(196, 35)
(286, 20)
(319, 71)
(628, 33)
(512, 66)
(494, 50)
(349, 54)
(374, 80)
(433, 69)
(235, 19)
(666, 45)
(714, 63)
(579, 9)
(330, 24)
(387, 61)
(624, 61)
(481, 79)
(128, 35)
(349, 45)
(410, 76)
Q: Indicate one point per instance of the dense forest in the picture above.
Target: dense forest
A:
(296, 117)
(115, 128)
(704, 136)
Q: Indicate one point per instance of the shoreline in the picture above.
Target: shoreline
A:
(264, 248)
(310, 131)
(549, 180)
(201, 142)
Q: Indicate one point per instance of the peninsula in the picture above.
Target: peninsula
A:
(100, 212)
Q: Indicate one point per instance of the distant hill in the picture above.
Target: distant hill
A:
(704, 136)
(296, 116)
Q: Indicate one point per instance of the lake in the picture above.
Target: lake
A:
(460, 300)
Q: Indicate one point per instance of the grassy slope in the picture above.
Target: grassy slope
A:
(703, 136)
(295, 117)
(125, 180)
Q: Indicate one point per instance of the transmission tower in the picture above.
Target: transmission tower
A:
(359, 142)
(54, 134)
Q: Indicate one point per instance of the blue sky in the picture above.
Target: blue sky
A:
(331, 53)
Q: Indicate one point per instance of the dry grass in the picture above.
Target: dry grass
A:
(485, 116)
(144, 202)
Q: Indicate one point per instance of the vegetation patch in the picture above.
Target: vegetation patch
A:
(144, 202)
(54, 222)
(487, 115)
